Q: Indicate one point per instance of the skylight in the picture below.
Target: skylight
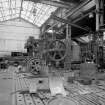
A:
(36, 13)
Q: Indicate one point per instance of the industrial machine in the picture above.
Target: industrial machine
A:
(3, 63)
(51, 52)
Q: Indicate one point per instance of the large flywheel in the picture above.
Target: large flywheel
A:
(57, 50)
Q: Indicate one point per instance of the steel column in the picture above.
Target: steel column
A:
(53, 3)
(99, 22)
(99, 14)
(68, 42)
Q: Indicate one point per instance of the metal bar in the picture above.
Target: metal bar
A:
(30, 11)
(56, 4)
(35, 19)
(21, 8)
(45, 13)
(71, 12)
(53, 3)
(15, 7)
(10, 8)
(6, 9)
(77, 19)
(56, 11)
(39, 15)
(68, 22)
(11, 39)
(6, 15)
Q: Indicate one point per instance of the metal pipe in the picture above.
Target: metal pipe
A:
(83, 16)
(73, 11)
(52, 3)
(68, 22)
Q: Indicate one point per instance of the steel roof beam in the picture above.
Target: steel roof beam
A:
(83, 16)
(53, 3)
(68, 22)
(71, 12)
(21, 8)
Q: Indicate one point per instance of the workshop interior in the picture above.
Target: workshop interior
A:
(52, 52)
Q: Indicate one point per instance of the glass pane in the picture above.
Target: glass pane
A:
(38, 5)
(23, 16)
(30, 7)
(18, 3)
(25, 5)
(13, 16)
(6, 13)
(26, 18)
(23, 12)
(7, 17)
(33, 12)
(13, 11)
(28, 13)
(5, 4)
(13, 4)
(17, 15)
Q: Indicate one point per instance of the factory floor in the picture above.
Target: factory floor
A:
(6, 87)
(15, 90)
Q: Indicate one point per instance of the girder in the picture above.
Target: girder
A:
(53, 3)
(69, 23)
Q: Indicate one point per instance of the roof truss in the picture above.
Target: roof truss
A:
(36, 13)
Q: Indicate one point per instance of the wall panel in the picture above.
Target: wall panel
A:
(13, 35)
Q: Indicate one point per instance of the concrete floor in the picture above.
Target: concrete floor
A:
(5, 87)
